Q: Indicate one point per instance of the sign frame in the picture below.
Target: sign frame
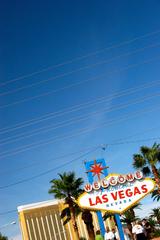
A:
(117, 211)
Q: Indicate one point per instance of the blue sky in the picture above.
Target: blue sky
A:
(36, 35)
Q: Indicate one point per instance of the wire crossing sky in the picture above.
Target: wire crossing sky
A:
(85, 56)
(74, 76)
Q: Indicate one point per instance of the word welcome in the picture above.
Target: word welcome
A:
(113, 181)
(116, 193)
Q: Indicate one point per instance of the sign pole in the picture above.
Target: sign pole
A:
(88, 166)
(119, 225)
(91, 180)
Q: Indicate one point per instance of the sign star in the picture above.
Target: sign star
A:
(97, 169)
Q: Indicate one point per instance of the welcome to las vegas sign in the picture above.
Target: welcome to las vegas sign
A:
(116, 193)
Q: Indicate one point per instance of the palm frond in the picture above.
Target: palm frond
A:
(137, 206)
(155, 214)
(138, 161)
(146, 171)
(65, 212)
(151, 154)
(145, 150)
(66, 220)
(107, 215)
(155, 195)
(66, 186)
(128, 217)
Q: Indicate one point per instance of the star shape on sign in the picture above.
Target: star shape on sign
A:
(97, 169)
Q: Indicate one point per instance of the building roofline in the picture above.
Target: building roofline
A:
(37, 205)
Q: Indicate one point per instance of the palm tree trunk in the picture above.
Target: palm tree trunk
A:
(73, 219)
(88, 220)
(156, 177)
(132, 212)
(129, 226)
(90, 232)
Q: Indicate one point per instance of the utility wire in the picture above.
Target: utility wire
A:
(29, 179)
(22, 77)
(73, 153)
(73, 160)
(51, 92)
(134, 141)
(48, 160)
(74, 120)
(7, 212)
(136, 134)
(50, 170)
(126, 42)
(78, 107)
(78, 70)
(78, 133)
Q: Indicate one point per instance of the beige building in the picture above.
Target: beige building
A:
(41, 221)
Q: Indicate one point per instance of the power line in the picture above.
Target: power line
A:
(80, 132)
(134, 141)
(49, 160)
(78, 107)
(126, 42)
(7, 212)
(138, 133)
(78, 70)
(51, 92)
(73, 153)
(46, 172)
(50, 170)
(74, 120)
(73, 160)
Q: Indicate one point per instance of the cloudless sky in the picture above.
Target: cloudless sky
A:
(38, 34)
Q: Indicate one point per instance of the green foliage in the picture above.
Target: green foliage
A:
(155, 213)
(152, 222)
(147, 157)
(139, 161)
(156, 195)
(3, 237)
(107, 215)
(156, 233)
(66, 214)
(129, 216)
(66, 187)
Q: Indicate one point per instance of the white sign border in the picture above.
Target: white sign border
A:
(117, 211)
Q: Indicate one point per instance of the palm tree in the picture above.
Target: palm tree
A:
(67, 187)
(147, 160)
(111, 216)
(129, 216)
(86, 217)
(156, 214)
(151, 222)
(155, 194)
(3, 237)
(88, 220)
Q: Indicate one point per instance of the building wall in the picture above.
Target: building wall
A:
(43, 222)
